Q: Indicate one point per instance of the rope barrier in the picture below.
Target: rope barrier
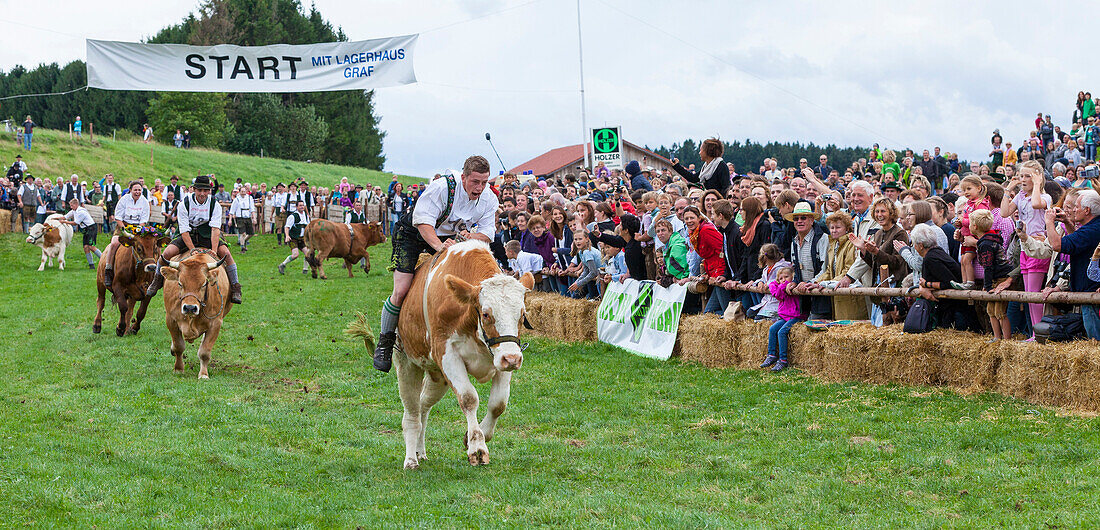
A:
(46, 94)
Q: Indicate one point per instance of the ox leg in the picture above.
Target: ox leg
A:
(124, 310)
(178, 345)
(206, 347)
(97, 325)
(61, 259)
(136, 325)
(455, 370)
(321, 256)
(498, 401)
(432, 393)
(45, 257)
(410, 381)
(348, 265)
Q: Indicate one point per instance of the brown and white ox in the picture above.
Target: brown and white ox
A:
(328, 239)
(135, 264)
(196, 299)
(471, 329)
(52, 237)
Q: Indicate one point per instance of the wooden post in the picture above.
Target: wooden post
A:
(91, 132)
(70, 132)
(1057, 297)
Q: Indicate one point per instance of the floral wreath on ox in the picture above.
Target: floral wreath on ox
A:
(132, 231)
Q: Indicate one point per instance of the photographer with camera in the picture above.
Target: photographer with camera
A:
(1082, 222)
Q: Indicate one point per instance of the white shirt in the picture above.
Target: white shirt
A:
(526, 262)
(278, 200)
(198, 214)
(132, 212)
(242, 206)
(112, 186)
(81, 217)
(479, 215)
(290, 219)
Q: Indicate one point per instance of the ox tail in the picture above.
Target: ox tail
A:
(309, 256)
(360, 327)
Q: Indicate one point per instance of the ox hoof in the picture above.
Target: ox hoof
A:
(177, 371)
(204, 376)
(412, 463)
(120, 332)
(479, 457)
(96, 328)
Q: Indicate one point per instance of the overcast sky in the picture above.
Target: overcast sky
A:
(914, 74)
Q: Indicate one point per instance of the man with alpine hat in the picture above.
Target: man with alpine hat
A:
(200, 225)
(449, 210)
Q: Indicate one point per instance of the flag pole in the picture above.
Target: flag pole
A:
(584, 118)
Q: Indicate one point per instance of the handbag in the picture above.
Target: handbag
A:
(919, 319)
(1060, 328)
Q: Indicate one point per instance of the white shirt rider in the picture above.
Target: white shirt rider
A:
(131, 211)
(198, 214)
(433, 200)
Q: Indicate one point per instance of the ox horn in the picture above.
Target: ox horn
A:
(174, 264)
(212, 266)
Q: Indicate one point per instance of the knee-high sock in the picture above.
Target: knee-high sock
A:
(390, 313)
(231, 272)
(89, 256)
(289, 259)
(1033, 282)
(97, 253)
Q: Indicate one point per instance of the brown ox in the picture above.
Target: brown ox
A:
(52, 237)
(196, 299)
(327, 239)
(471, 329)
(135, 263)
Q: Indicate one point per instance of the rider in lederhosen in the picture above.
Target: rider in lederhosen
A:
(200, 222)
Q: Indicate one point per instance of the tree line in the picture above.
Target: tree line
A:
(335, 127)
(748, 156)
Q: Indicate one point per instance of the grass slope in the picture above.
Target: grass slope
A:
(55, 155)
(296, 429)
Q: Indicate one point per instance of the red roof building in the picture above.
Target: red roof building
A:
(565, 160)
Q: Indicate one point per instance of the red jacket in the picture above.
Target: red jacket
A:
(707, 241)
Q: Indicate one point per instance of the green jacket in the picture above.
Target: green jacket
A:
(676, 261)
(1088, 108)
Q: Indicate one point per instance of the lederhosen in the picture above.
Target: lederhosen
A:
(244, 221)
(201, 233)
(111, 195)
(298, 231)
(90, 232)
(408, 244)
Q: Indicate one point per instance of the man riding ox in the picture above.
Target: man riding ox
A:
(442, 214)
(52, 236)
(196, 299)
(327, 239)
(134, 265)
(461, 319)
(200, 224)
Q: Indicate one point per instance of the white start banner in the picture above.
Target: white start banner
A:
(641, 317)
(359, 65)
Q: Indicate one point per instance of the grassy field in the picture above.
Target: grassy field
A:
(55, 155)
(295, 429)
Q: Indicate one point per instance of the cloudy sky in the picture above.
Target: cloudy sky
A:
(914, 74)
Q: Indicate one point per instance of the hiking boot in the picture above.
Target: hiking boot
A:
(154, 286)
(108, 276)
(90, 266)
(383, 354)
(769, 360)
(780, 365)
(282, 268)
(235, 293)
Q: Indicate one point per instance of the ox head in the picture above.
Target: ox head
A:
(375, 234)
(192, 276)
(146, 247)
(499, 303)
(39, 231)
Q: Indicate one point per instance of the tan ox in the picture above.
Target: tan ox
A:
(52, 237)
(135, 263)
(327, 239)
(471, 329)
(196, 299)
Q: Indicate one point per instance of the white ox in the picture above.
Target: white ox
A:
(52, 237)
(471, 329)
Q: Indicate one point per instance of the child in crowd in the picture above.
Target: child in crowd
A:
(989, 253)
(976, 199)
(770, 261)
(839, 258)
(788, 315)
(589, 259)
(521, 262)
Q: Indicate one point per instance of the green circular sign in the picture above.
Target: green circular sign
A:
(606, 140)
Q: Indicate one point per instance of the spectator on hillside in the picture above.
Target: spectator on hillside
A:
(187, 139)
(28, 131)
(78, 126)
(177, 139)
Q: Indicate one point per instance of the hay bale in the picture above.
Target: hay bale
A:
(562, 318)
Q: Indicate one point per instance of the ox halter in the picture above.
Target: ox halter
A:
(43, 234)
(205, 290)
(501, 339)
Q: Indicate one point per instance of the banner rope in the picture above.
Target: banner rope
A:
(45, 94)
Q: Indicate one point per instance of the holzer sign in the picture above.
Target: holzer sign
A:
(360, 65)
(607, 147)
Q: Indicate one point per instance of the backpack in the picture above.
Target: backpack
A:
(1060, 328)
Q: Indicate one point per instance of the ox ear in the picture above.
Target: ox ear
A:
(466, 293)
(528, 281)
(125, 240)
(169, 273)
